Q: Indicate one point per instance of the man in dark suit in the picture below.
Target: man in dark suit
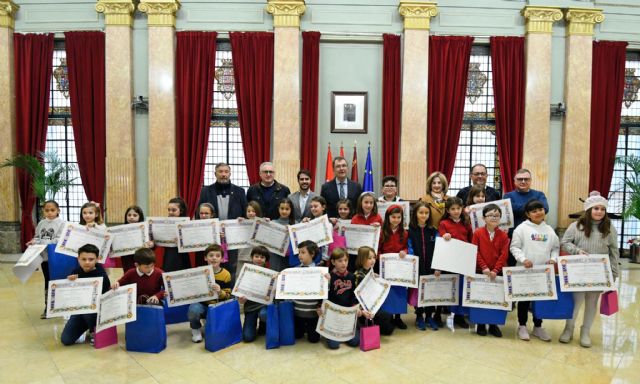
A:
(268, 192)
(228, 199)
(302, 199)
(340, 187)
(478, 176)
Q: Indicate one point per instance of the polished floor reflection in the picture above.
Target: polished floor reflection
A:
(30, 352)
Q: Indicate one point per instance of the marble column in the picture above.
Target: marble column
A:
(9, 186)
(574, 164)
(415, 78)
(120, 162)
(163, 181)
(286, 89)
(539, 28)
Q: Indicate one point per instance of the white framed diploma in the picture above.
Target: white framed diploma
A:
(579, 273)
(236, 234)
(530, 284)
(455, 256)
(399, 271)
(188, 286)
(162, 230)
(80, 296)
(406, 209)
(75, 236)
(256, 284)
(29, 262)
(357, 236)
(318, 230)
(337, 323)
(506, 219)
(197, 235)
(128, 238)
(372, 292)
(118, 306)
(441, 290)
(303, 283)
(480, 292)
(269, 234)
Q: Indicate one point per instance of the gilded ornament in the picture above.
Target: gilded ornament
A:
(417, 15)
(8, 11)
(580, 21)
(541, 19)
(161, 13)
(117, 12)
(286, 13)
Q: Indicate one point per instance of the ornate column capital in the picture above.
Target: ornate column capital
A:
(581, 20)
(540, 19)
(160, 13)
(8, 11)
(286, 13)
(116, 12)
(417, 14)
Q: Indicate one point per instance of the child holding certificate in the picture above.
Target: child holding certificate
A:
(174, 260)
(534, 242)
(591, 234)
(88, 266)
(365, 261)
(252, 310)
(305, 315)
(47, 232)
(344, 209)
(367, 210)
(395, 239)
(222, 287)
(205, 211)
(493, 251)
(244, 254)
(422, 241)
(90, 216)
(133, 214)
(285, 210)
(146, 276)
(476, 196)
(317, 208)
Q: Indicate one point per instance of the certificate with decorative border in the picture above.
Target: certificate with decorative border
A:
(66, 297)
(303, 283)
(29, 262)
(318, 230)
(256, 284)
(441, 290)
(530, 284)
(197, 235)
(273, 236)
(235, 233)
(162, 230)
(128, 238)
(75, 236)
(118, 306)
(399, 271)
(406, 209)
(357, 235)
(480, 292)
(580, 273)
(188, 286)
(337, 323)
(372, 292)
(506, 219)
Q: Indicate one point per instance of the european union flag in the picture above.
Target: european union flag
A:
(367, 182)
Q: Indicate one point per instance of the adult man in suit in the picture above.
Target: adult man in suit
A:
(478, 176)
(302, 199)
(268, 192)
(340, 187)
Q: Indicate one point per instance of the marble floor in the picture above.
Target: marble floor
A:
(30, 352)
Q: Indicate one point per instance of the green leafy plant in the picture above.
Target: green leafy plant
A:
(632, 182)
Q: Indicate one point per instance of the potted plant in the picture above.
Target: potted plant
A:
(632, 205)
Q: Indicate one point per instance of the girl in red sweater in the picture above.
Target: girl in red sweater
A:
(493, 251)
(367, 210)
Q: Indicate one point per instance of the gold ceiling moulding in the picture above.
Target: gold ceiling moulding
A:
(417, 14)
(116, 12)
(580, 21)
(540, 19)
(8, 11)
(160, 13)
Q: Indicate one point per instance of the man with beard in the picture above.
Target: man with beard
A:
(478, 176)
(302, 199)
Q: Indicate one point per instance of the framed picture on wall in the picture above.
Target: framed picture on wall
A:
(348, 112)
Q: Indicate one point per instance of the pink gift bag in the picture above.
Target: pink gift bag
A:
(106, 337)
(109, 262)
(412, 297)
(609, 303)
(369, 337)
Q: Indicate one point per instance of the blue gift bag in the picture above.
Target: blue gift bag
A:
(272, 338)
(286, 323)
(175, 315)
(554, 309)
(223, 327)
(60, 266)
(487, 316)
(396, 301)
(149, 332)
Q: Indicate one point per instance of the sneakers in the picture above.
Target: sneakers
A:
(541, 334)
(567, 335)
(196, 336)
(523, 334)
(420, 324)
(81, 339)
(432, 324)
(92, 338)
(481, 330)
(495, 331)
(43, 315)
(585, 338)
(437, 318)
(397, 321)
(460, 321)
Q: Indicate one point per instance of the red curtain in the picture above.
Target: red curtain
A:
(195, 70)
(448, 70)
(309, 129)
(85, 62)
(508, 68)
(391, 96)
(607, 89)
(252, 54)
(33, 57)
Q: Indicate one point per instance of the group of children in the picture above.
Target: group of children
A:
(533, 242)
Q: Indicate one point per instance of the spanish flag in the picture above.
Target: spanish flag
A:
(328, 176)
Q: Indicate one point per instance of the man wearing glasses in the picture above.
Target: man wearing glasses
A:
(268, 192)
(389, 190)
(478, 176)
(340, 187)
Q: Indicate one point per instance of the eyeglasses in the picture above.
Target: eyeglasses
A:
(492, 216)
(389, 186)
(523, 179)
(479, 174)
(268, 172)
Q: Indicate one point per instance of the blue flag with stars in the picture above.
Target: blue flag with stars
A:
(367, 181)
